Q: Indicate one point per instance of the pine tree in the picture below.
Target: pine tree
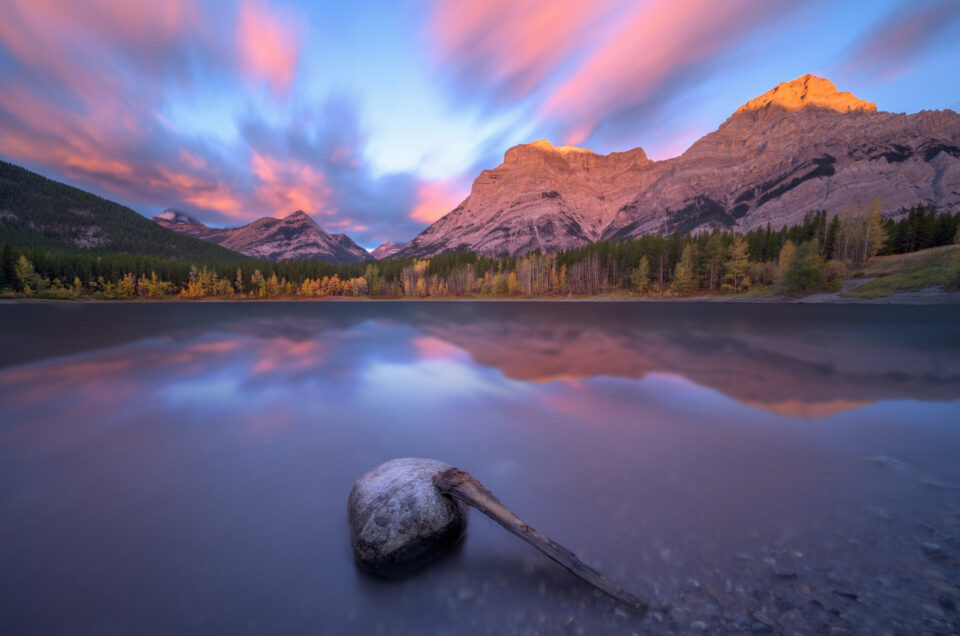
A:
(640, 275)
(875, 234)
(714, 254)
(9, 270)
(737, 263)
(238, 283)
(513, 284)
(685, 274)
(805, 273)
(786, 255)
(25, 273)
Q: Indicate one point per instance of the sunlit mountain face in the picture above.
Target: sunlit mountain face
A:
(375, 118)
(735, 445)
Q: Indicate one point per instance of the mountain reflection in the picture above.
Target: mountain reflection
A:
(792, 360)
(793, 371)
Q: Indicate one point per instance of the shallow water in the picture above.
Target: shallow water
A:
(184, 468)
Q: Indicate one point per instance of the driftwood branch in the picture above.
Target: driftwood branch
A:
(461, 485)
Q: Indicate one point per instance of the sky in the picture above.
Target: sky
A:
(375, 117)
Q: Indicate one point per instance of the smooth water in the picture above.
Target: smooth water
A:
(184, 468)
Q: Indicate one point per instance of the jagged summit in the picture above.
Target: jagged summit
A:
(808, 90)
(542, 152)
(545, 144)
(295, 236)
(386, 250)
(299, 215)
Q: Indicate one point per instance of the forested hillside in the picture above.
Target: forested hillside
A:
(39, 212)
(810, 257)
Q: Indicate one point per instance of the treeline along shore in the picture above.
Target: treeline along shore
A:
(810, 257)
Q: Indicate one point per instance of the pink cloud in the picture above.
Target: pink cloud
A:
(74, 115)
(661, 40)
(513, 43)
(267, 45)
(287, 185)
(580, 62)
(436, 198)
(201, 191)
(85, 97)
(191, 160)
(888, 50)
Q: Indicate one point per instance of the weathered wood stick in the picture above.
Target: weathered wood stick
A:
(464, 487)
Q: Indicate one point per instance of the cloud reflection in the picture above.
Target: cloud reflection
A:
(787, 366)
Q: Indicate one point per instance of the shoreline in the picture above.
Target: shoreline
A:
(927, 296)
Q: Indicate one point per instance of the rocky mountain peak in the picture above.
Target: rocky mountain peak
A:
(805, 92)
(386, 250)
(351, 247)
(296, 236)
(299, 216)
(541, 149)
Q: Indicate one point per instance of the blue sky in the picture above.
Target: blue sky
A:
(374, 117)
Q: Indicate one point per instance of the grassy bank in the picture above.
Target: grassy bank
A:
(937, 266)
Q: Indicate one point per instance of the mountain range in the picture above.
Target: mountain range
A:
(800, 147)
(42, 213)
(296, 236)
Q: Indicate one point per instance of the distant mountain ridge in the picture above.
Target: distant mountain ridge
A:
(296, 236)
(39, 212)
(800, 147)
(386, 250)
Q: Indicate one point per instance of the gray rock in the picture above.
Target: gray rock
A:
(760, 617)
(783, 572)
(933, 550)
(398, 519)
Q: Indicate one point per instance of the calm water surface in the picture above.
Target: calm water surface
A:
(184, 468)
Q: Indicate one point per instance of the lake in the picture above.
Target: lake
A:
(184, 468)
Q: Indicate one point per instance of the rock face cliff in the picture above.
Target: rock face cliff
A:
(800, 147)
(296, 236)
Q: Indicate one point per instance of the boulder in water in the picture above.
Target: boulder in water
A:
(399, 521)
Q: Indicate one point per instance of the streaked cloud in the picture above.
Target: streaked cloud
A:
(578, 64)
(267, 44)
(665, 45)
(510, 47)
(289, 185)
(377, 118)
(436, 198)
(913, 28)
(81, 100)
